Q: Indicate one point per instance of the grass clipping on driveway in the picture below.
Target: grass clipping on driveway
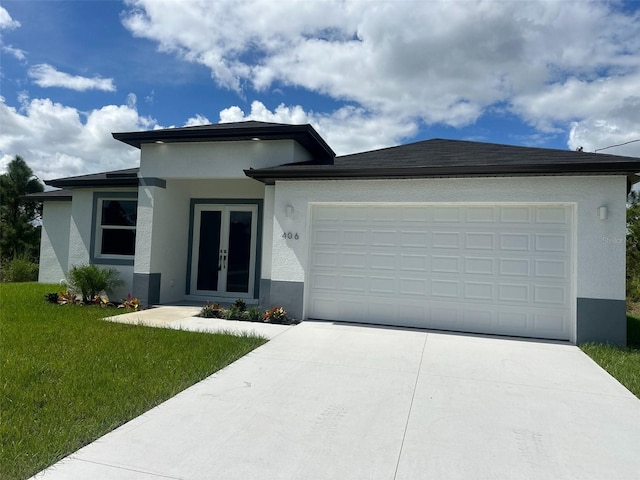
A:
(68, 377)
(622, 363)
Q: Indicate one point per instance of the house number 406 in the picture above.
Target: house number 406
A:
(289, 236)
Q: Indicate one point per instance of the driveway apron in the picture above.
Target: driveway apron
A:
(339, 401)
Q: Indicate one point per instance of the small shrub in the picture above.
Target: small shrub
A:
(211, 310)
(233, 313)
(275, 315)
(52, 297)
(254, 314)
(240, 305)
(130, 303)
(20, 269)
(90, 281)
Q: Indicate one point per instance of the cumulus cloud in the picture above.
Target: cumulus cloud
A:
(60, 141)
(45, 75)
(197, 120)
(347, 130)
(6, 22)
(430, 62)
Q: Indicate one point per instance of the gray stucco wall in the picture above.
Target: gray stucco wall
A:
(601, 321)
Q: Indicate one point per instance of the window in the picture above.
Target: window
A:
(116, 228)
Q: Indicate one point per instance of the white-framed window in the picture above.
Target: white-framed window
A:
(116, 227)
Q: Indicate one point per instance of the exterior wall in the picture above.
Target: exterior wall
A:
(599, 244)
(54, 241)
(163, 236)
(216, 159)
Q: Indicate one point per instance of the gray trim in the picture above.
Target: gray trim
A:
(146, 287)
(288, 295)
(265, 292)
(94, 216)
(227, 201)
(153, 182)
(601, 321)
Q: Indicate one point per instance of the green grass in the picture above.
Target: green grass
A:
(622, 363)
(67, 377)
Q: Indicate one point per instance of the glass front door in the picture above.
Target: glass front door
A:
(224, 246)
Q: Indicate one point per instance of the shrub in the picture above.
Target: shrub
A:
(254, 314)
(233, 313)
(52, 297)
(90, 281)
(240, 305)
(211, 310)
(20, 269)
(275, 315)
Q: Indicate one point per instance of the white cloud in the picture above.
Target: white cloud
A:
(15, 52)
(59, 141)
(197, 120)
(346, 130)
(45, 75)
(619, 126)
(432, 62)
(6, 22)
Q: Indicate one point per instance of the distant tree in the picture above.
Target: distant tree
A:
(633, 246)
(19, 236)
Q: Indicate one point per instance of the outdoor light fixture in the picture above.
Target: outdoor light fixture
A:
(602, 213)
(289, 211)
(255, 139)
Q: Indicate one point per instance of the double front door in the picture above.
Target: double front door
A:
(224, 250)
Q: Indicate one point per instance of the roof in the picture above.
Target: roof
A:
(305, 135)
(453, 158)
(57, 195)
(117, 178)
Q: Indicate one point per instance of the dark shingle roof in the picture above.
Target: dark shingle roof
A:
(57, 195)
(305, 135)
(117, 178)
(447, 158)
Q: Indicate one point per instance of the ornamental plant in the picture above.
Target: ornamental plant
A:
(275, 315)
(89, 281)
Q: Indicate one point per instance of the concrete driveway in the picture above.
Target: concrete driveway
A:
(327, 401)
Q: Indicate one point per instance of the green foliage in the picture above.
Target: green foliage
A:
(232, 313)
(240, 304)
(211, 310)
(19, 236)
(254, 314)
(68, 377)
(19, 269)
(633, 247)
(91, 281)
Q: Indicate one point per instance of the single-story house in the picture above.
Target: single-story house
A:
(440, 234)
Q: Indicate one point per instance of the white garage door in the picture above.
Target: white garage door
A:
(503, 269)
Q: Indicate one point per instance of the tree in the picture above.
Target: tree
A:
(633, 246)
(19, 236)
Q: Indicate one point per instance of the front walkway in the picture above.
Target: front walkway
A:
(327, 401)
(184, 318)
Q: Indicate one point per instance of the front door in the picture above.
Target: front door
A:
(224, 250)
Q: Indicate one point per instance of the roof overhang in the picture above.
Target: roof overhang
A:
(305, 135)
(269, 176)
(118, 178)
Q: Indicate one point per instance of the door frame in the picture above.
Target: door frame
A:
(199, 202)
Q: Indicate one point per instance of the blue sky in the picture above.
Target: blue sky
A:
(366, 73)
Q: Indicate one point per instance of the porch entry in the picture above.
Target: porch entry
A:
(224, 250)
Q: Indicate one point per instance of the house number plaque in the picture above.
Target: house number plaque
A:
(290, 236)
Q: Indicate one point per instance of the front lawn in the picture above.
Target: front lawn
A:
(622, 363)
(67, 377)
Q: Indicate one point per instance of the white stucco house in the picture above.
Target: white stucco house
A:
(440, 234)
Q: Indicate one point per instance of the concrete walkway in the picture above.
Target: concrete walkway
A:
(327, 401)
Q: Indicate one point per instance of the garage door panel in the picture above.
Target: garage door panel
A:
(478, 268)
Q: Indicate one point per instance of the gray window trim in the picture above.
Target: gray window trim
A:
(97, 196)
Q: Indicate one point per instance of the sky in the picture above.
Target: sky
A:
(366, 74)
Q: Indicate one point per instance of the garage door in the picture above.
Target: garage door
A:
(501, 269)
